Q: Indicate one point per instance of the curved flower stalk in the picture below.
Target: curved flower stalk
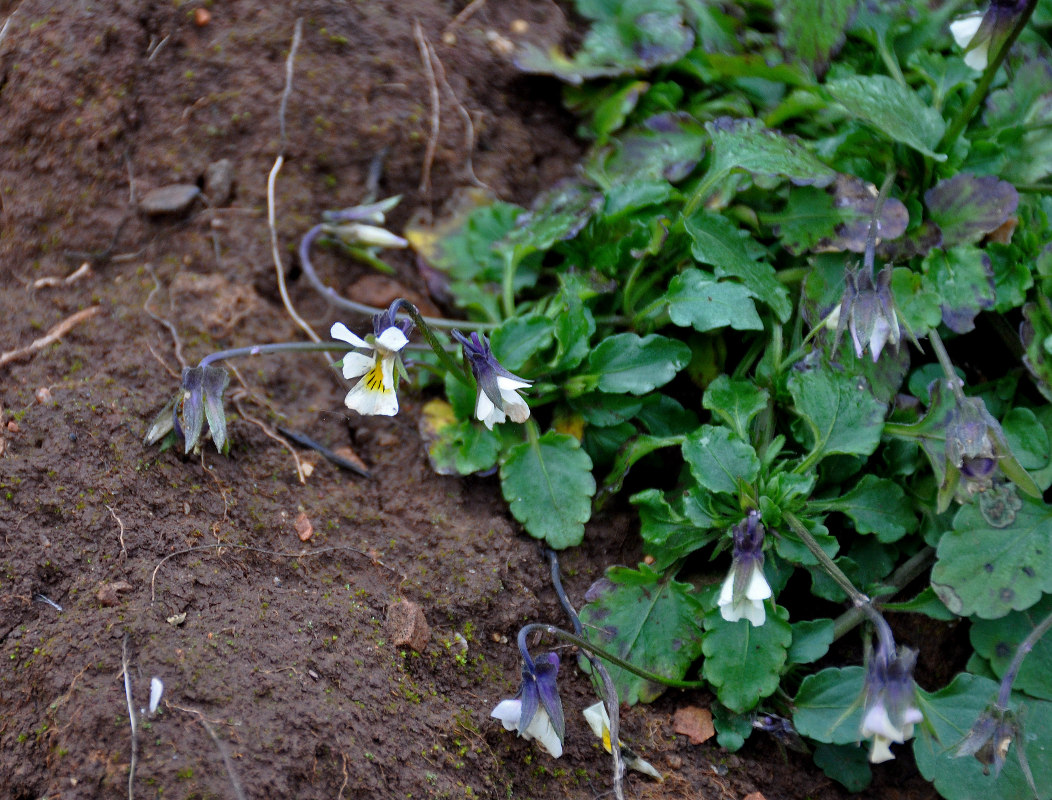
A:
(979, 34)
(498, 397)
(375, 391)
(891, 698)
(536, 712)
(745, 588)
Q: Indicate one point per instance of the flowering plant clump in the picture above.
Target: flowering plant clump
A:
(683, 327)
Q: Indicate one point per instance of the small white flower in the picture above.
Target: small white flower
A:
(375, 392)
(540, 728)
(749, 605)
(369, 235)
(599, 721)
(877, 725)
(964, 30)
(515, 407)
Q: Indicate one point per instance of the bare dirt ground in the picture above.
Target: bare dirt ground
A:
(286, 663)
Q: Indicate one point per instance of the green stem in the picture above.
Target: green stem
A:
(508, 287)
(606, 655)
(1034, 188)
(626, 293)
(702, 190)
(952, 379)
(897, 581)
(863, 603)
(1021, 652)
(979, 94)
(456, 369)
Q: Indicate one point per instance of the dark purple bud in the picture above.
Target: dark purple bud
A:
(539, 688)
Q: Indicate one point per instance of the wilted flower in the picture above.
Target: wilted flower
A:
(599, 721)
(375, 392)
(202, 398)
(981, 34)
(990, 738)
(890, 708)
(868, 311)
(536, 712)
(498, 398)
(361, 225)
(745, 588)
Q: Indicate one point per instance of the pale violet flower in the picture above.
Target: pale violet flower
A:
(536, 712)
(890, 709)
(498, 397)
(745, 588)
(981, 35)
(867, 310)
(375, 391)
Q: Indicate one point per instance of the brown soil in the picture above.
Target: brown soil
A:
(290, 675)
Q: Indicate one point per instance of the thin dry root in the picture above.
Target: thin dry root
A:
(52, 336)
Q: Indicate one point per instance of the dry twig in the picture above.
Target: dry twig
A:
(131, 719)
(469, 127)
(432, 141)
(52, 336)
(124, 550)
(161, 320)
(83, 271)
(272, 434)
(465, 14)
(238, 791)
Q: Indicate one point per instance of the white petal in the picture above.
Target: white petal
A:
(392, 340)
(540, 729)
(758, 588)
(343, 333)
(508, 712)
(156, 690)
(754, 611)
(370, 402)
(726, 597)
(510, 383)
(486, 412)
(878, 723)
(514, 406)
(878, 337)
(965, 28)
(977, 58)
(913, 716)
(599, 721)
(881, 751)
(357, 364)
(370, 235)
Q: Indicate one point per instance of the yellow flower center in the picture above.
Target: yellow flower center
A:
(374, 378)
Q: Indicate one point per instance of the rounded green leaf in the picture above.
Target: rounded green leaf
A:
(829, 705)
(628, 363)
(719, 460)
(548, 484)
(744, 662)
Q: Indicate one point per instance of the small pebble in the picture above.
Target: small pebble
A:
(519, 26)
(43, 395)
(674, 762)
(202, 16)
(304, 529)
(219, 182)
(408, 626)
(173, 199)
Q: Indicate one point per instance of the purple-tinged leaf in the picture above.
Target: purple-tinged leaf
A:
(967, 207)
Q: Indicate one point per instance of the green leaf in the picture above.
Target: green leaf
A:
(519, 338)
(719, 460)
(629, 363)
(876, 505)
(695, 299)
(916, 303)
(635, 449)
(841, 413)
(997, 641)
(829, 705)
(948, 716)
(813, 29)
(627, 37)
(668, 532)
(967, 207)
(735, 402)
(667, 147)
(986, 571)
(717, 241)
(548, 484)
(894, 110)
(1027, 438)
(743, 143)
(811, 640)
(647, 619)
(742, 662)
(847, 764)
(574, 325)
(926, 603)
(731, 729)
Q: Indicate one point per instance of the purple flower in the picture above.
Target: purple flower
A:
(990, 738)
(498, 398)
(536, 712)
(891, 695)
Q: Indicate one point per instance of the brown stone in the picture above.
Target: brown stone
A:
(408, 626)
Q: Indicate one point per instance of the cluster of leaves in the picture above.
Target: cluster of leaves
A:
(662, 302)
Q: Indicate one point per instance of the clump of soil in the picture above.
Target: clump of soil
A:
(283, 618)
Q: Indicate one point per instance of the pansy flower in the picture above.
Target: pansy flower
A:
(867, 310)
(498, 397)
(982, 34)
(536, 712)
(891, 695)
(375, 391)
(745, 589)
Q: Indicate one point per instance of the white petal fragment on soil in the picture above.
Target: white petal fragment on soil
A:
(156, 690)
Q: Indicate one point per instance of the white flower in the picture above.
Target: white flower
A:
(599, 721)
(878, 725)
(369, 235)
(540, 728)
(749, 604)
(375, 392)
(964, 30)
(515, 407)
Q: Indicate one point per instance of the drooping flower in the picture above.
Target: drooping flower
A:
(536, 712)
(201, 400)
(867, 310)
(982, 34)
(363, 225)
(990, 737)
(599, 721)
(498, 397)
(375, 392)
(890, 707)
(745, 588)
